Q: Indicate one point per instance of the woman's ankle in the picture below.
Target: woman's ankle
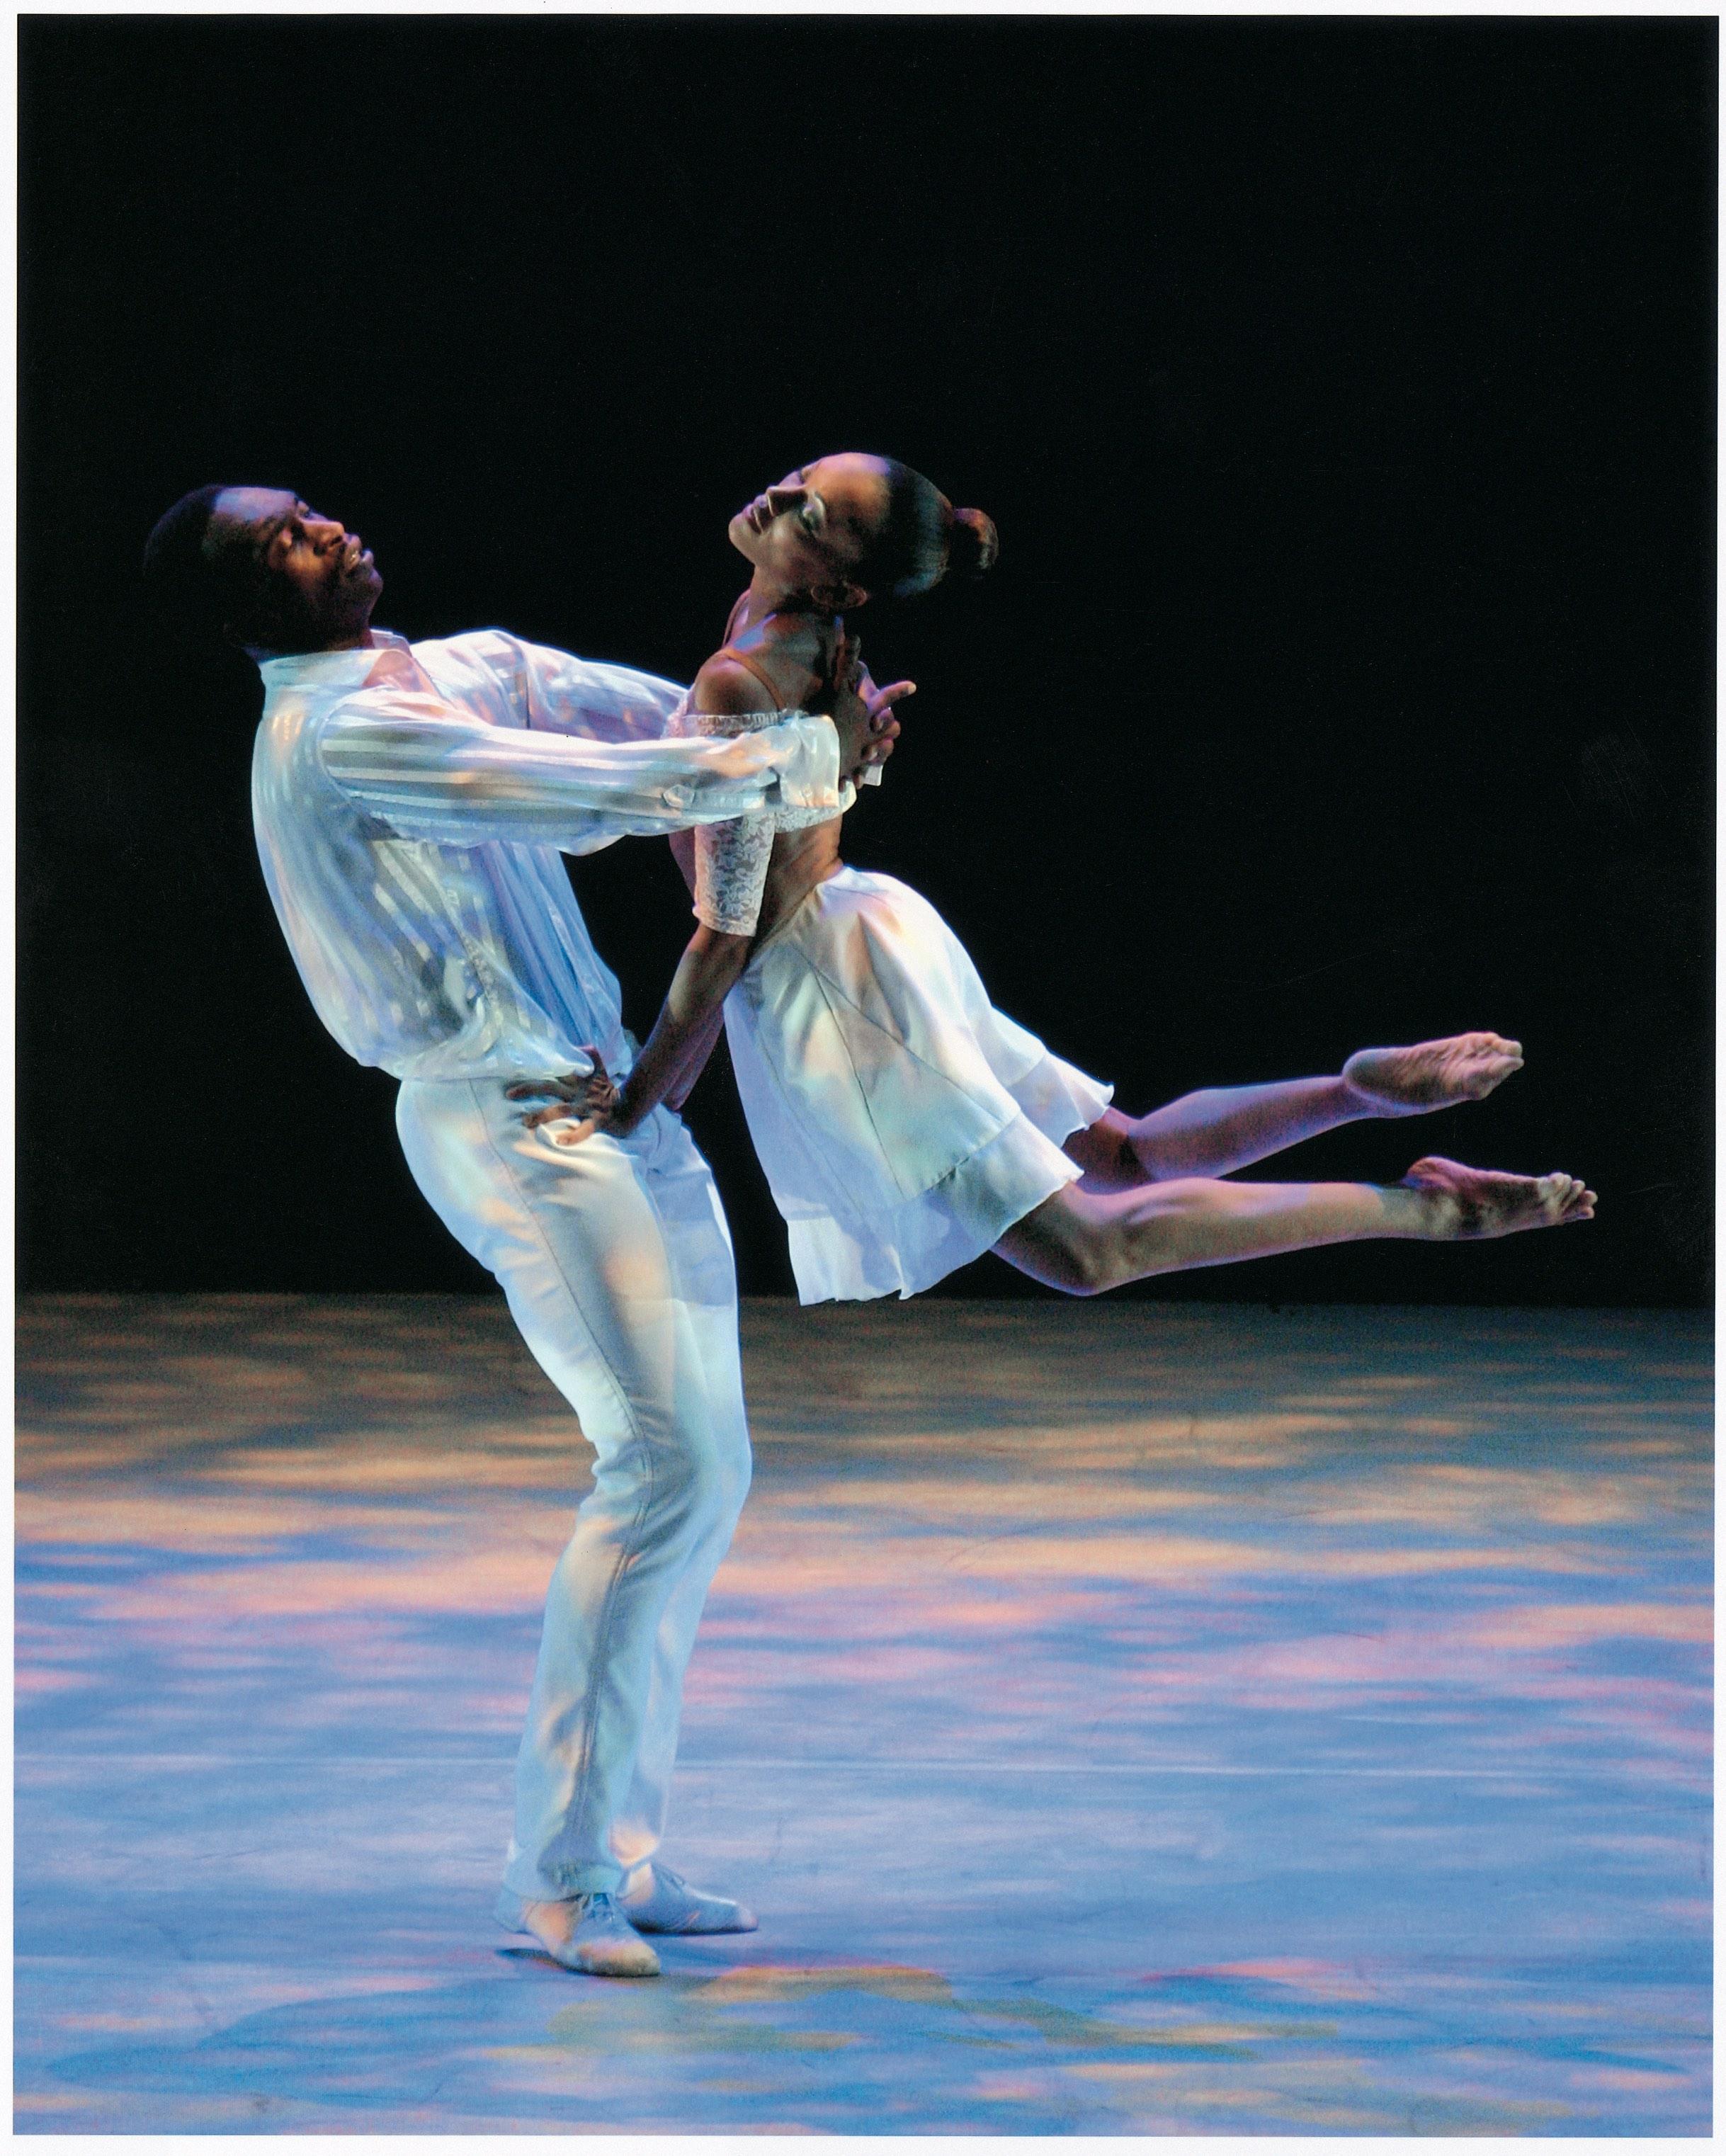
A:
(1420, 1213)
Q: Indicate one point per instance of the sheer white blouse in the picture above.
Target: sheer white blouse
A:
(412, 803)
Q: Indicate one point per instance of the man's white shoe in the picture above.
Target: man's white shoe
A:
(656, 1900)
(589, 1933)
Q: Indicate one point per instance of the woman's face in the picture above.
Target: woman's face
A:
(810, 532)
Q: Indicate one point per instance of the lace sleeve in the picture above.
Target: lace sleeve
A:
(731, 859)
(730, 872)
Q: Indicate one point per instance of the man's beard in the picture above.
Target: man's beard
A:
(296, 624)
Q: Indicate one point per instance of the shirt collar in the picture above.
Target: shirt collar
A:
(336, 669)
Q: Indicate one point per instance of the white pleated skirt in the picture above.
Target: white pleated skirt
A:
(903, 1123)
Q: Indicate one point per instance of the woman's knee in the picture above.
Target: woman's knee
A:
(1076, 1268)
(1067, 1243)
(1093, 1268)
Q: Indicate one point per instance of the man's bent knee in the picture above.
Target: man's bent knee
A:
(699, 1484)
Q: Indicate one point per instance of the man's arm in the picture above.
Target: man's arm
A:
(556, 692)
(429, 771)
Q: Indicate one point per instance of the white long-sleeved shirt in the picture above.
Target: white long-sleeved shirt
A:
(411, 802)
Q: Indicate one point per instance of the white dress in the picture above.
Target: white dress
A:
(903, 1122)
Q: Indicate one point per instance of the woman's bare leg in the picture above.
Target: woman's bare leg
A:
(1086, 1242)
(1225, 1128)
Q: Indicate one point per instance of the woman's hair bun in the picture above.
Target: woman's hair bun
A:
(972, 543)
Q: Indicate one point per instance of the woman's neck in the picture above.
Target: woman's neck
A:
(789, 625)
(764, 597)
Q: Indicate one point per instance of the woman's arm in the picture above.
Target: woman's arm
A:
(694, 1060)
(709, 969)
(700, 1044)
(725, 868)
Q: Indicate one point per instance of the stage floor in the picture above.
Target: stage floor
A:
(1127, 1719)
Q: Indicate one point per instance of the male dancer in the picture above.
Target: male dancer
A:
(411, 804)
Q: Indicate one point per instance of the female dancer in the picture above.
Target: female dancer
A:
(904, 1125)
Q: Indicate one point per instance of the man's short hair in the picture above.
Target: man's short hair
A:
(197, 588)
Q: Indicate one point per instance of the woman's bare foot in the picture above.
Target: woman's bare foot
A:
(1435, 1074)
(1470, 1203)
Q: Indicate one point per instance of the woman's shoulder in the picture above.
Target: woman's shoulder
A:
(726, 685)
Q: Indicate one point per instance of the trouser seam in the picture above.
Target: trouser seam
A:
(629, 1545)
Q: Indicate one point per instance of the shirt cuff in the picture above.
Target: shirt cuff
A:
(809, 772)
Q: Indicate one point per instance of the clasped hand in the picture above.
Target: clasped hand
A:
(862, 713)
(585, 1102)
(579, 1103)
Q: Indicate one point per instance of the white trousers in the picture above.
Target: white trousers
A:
(617, 1263)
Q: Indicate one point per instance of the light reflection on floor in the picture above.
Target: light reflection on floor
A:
(1128, 1719)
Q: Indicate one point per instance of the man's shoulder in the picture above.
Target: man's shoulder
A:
(469, 644)
(303, 719)
(488, 650)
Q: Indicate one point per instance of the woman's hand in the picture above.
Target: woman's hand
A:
(862, 712)
(586, 1102)
(626, 1115)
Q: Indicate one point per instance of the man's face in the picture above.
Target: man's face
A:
(316, 584)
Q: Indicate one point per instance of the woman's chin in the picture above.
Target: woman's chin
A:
(741, 536)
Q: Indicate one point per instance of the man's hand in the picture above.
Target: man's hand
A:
(862, 713)
(585, 1102)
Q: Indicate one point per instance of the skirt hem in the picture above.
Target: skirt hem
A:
(955, 1220)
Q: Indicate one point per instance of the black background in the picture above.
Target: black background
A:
(1343, 391)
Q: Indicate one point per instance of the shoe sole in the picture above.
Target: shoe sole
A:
(694, 1923)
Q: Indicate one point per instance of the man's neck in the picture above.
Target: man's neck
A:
(364, 641)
